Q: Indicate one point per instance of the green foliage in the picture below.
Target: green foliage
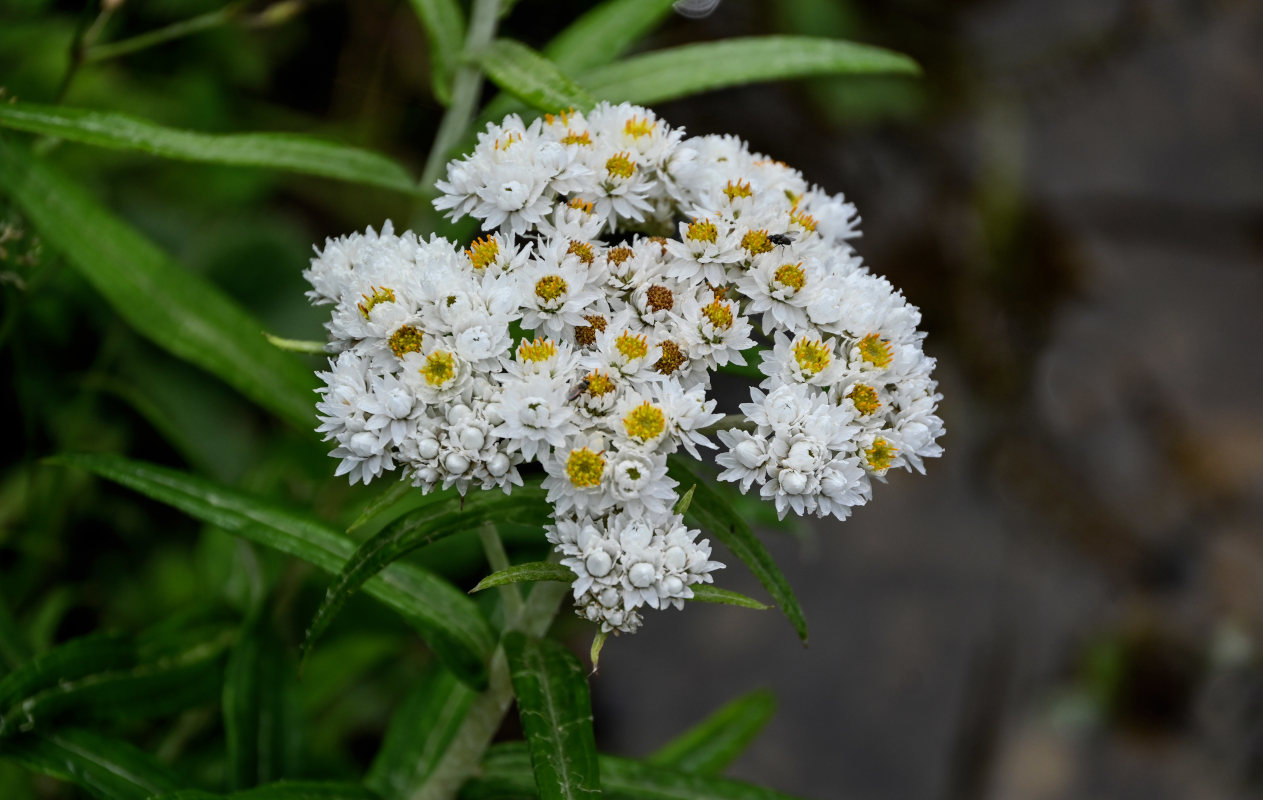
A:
(715, 742)
(106, 767)
(518, 573)
(530, 77)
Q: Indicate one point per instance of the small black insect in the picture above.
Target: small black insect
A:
(580, 388)
(782, 239)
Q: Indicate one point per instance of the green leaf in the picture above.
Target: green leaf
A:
(282, 790)
(445, 617)
(605, 32)
(116, 676)
(709, 510)
(393, 493)
(506, 775)
(445, 31)
(556, 713)
(261, 720)
(176, 309)
(106, 767)
(709, 593)
(521, 573)
(307, 346)
(533, 79)
(715, 742)
(15, 650)
(694, 68)
(420, 733)
(283, 151)
(414, 530)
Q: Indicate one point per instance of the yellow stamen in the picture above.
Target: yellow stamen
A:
(738, 188)
(582, 139)
(440, 368)
(644, 422)
(880, 455)
(482, 252)
(579, 204)
(719, 314)
(672, 358)
(804, 221)
(812, 355)
(620, 165)
(702, 230)
(876, 350)
(583, 250)
(537, 350)
(660, 298)
(585, 468)
(599, 384)
(405, 340)
(550, 287)
(380, 295)
(756, 242)
(865, 399)
(508, 140)
(632, 345)
(617, 255)
(791, 276)
(562, 117)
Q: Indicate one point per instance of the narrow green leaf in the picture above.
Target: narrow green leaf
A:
(282, 790)
(686, 499)
(261, 720)
(283, 151)
(715, 742)
(307, 346)
(694, 68)
(709, 510)
(605, 32)
(392, 494)
(414, 530)
(15, 650)
(556, 712)
(709, 593)
(445, 617)
(444, 25)
(521, 573)
(420, 733)
(506, 775)
(116, 676)
(176, 309)
(533, 79)
(105, 767)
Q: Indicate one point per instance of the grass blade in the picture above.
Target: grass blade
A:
(556, 712)
(261, 720)
(709, 593)
(710, 511)
(606, 32)
(282, 151)
(176, 309)
(106, 767)
(444, 25)
(445, 617)
(715, 742)
(520, 573)
(533, 79)
(694, 68)
(283, 790)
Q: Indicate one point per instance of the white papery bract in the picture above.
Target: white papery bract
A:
(621, 265)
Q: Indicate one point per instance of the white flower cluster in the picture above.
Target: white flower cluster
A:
(623, 263)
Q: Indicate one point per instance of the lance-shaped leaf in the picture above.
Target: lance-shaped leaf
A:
(709, 593)
(521, 573)
(715, 742)
(445, 617)
(533, 79)
(106, 767)
(445, 31)
(709, 510)
(417, 529)
(261, 719)
(694, 68)
(107, 676)
(282, 790)
(283, 151)
(605, 32)
(556, 712)
(506, 775)
(176, 309)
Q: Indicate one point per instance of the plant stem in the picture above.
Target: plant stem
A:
(498, 560)
(729, 422)
(175, 30)
(465, 86)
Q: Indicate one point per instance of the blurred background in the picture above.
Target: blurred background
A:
(1069, 605)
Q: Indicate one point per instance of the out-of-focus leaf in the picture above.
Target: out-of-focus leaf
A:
(715, 742)
(709, 510)
(445, 617)
(392, 494)
(528, 76)
(106, 767)
(283, 151)
(14, 648)
(309, 346)
(506, 775)
(178, 310)
(693, 68)
(282, 790)
(556, 713)
(414, 530)
(261, 720)
(708, 593)
(444, 25)
(520, 573)
(605, 32)
(116, 676)
(420, 732)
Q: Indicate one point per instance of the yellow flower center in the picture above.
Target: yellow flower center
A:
(702, 230)
(482, 252)
(644, 422)
(538, 350)
(719, 314)
(639, 126)
(599, 384)
(756, 242)
(405, 340)
(876, 350)
(791, 276)
(508, 140)
(617, 255)
(632, 345)
(865, 399)
(562, 117)
(812, 355)
(620, 165)
(880, 455)
(586, 334)
(804, 221)
(585, 468)
(672, 358)
(380, 295)
(660, 298)
(440, 368)
(582, 139)
(550, 287)
(579, 204)
(583, 250)
(738, 188)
